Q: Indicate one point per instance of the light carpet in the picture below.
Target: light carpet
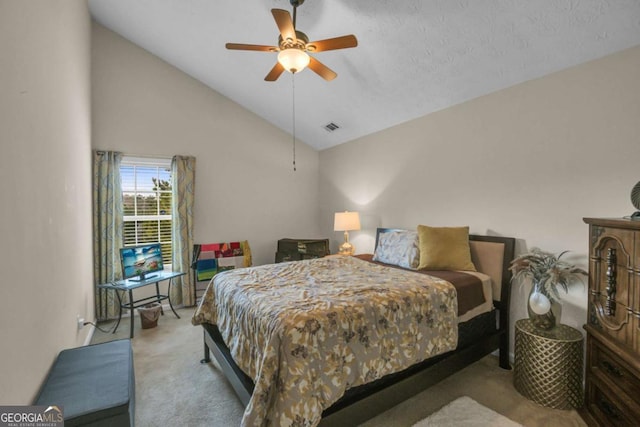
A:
(466, 412)
(173, 388)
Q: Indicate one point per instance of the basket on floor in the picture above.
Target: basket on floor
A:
(149, 315)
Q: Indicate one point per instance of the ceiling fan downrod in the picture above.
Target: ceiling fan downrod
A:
(295, 4)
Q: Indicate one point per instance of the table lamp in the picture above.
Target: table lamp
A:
(346, 221)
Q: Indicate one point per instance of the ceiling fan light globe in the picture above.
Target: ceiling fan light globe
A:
(293, 60)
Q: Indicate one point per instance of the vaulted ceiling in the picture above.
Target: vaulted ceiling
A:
(414, 57)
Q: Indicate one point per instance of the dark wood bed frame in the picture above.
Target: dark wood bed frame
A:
(364, 402)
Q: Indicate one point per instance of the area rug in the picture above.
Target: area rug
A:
(465, 411)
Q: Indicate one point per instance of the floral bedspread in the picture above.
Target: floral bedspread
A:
(307, 331)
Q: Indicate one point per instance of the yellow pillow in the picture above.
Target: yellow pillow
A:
(444, 248)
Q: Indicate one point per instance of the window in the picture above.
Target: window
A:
(147, 199)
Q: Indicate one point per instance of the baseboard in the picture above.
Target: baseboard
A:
(89, 337)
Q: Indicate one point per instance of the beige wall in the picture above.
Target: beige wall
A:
(529, 161)
(245, 185)
(45, 187)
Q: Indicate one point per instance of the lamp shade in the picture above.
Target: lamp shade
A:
(346, 221)
(293, 60)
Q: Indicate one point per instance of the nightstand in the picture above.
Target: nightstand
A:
(548, 365)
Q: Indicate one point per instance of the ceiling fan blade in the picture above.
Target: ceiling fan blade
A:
(332, 44)
(274, 73)
(285, 24)
(258, 47)
(322, 70)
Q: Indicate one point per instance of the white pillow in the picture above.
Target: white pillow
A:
(398, 248)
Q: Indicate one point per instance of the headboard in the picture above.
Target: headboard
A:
(492, 255)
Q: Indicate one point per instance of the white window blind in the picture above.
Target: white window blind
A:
(147, 201)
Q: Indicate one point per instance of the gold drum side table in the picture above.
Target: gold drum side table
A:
(548, 365)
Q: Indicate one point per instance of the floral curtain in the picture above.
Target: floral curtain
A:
(107, 229)
(183, 174)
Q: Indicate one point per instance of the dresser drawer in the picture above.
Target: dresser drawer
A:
(604, 364)
(607, 408)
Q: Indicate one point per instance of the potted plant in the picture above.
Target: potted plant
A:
(547, 272)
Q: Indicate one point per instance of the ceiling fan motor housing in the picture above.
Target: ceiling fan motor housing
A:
(300, 43)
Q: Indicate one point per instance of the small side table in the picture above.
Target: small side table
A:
(128, 285)
(548, 365)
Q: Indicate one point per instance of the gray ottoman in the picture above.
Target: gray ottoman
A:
(95, 384)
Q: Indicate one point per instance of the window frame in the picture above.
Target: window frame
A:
(148, 162)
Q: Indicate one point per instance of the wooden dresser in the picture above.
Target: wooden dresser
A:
(612, 382)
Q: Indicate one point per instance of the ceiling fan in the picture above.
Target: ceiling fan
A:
(293, 46)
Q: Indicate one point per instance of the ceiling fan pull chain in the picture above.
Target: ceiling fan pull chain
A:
(293, 103)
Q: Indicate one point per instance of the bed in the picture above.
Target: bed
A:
(343, 377)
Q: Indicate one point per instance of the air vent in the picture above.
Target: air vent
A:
(331, 127)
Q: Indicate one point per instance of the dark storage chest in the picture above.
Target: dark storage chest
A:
(95, 385)
(298, 249)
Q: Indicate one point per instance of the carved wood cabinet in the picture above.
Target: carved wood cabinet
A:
(612, 381)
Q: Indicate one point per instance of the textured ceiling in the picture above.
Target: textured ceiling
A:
(414, 56)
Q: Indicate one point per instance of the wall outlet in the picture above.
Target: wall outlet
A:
(80, 322)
